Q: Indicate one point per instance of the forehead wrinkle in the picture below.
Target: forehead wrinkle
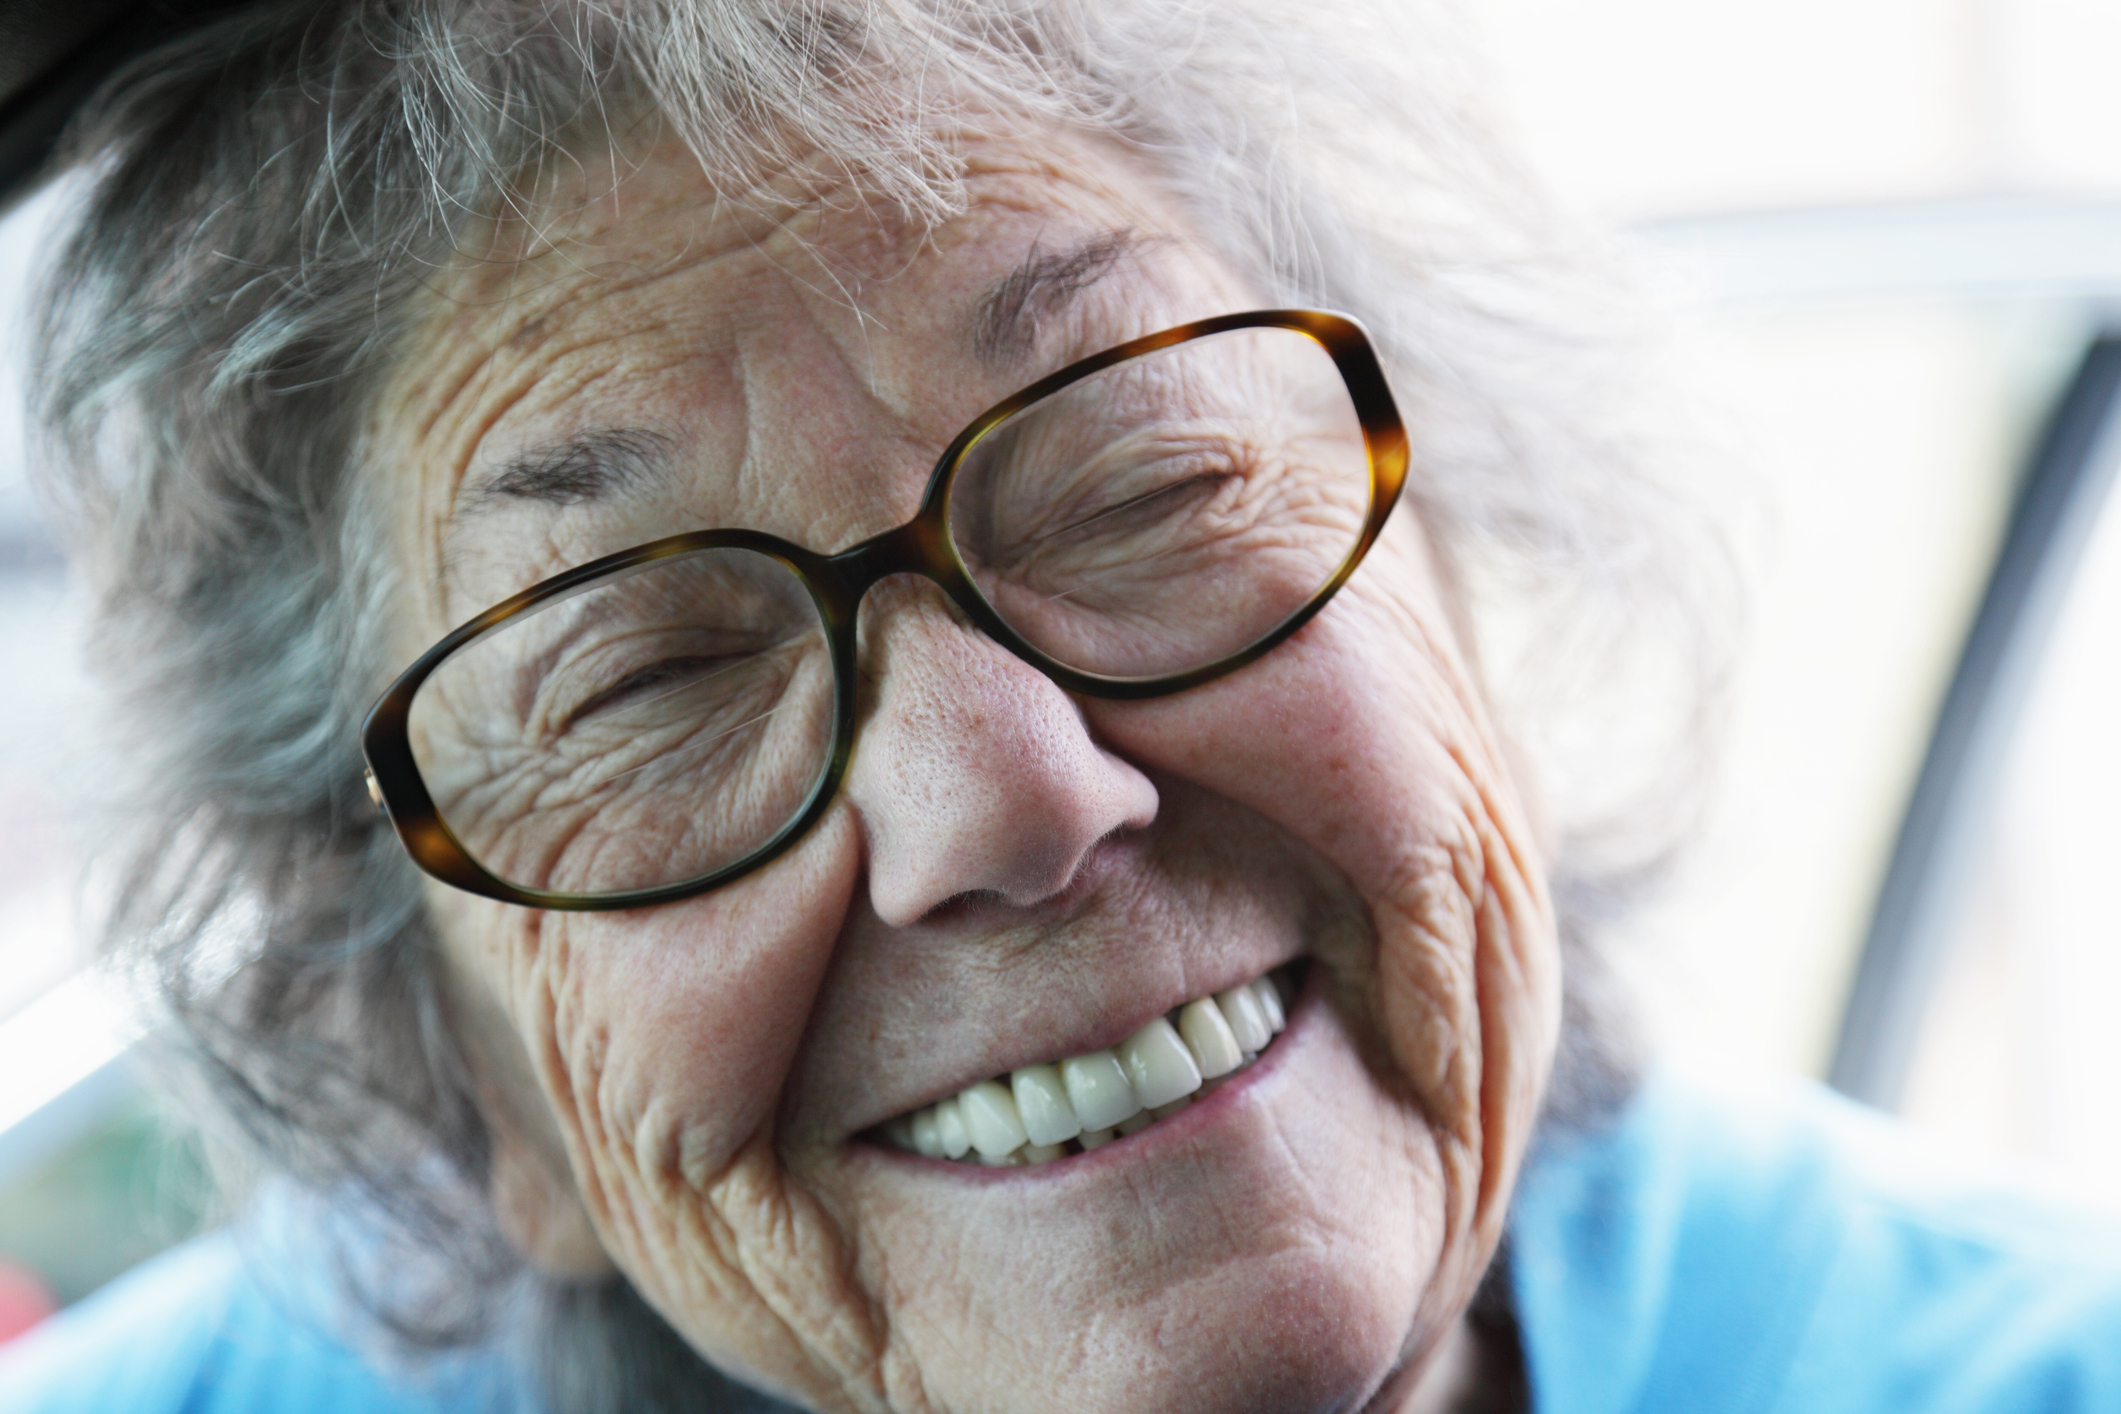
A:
(505, 388)
(563, 291)
(551, 282)
(533, 376)
(769, 462)
(441, 530)
(640, 462)
(847, 277)
(554, 375)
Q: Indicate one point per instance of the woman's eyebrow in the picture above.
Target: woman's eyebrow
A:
(1005, 324)
(587, 466)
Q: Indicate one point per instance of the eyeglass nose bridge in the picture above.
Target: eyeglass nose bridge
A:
(919, 547)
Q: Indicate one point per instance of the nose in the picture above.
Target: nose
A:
(973, 772)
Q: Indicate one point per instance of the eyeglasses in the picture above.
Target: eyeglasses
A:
(664, 720)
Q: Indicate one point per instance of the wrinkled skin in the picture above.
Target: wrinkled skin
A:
(1009, 875)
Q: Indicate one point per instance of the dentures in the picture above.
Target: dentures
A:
(1046, 1112)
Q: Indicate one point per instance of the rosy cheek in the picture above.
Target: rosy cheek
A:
(1368, 755)
(672, 1029)
(1380, 761)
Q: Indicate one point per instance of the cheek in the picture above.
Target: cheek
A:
(676, 1025)
(1275, 1263)
(1365, 737)
(662, 1038)
(1362, 735)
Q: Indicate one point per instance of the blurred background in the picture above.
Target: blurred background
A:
(1899, 226)
(1895, 226)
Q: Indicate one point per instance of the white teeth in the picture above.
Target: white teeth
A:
(991, 1119)
(1098, 1090)
(950, 1128)
(1158, 1064)
(1270, 1001)
(1034, 1115)
(1208, 1037)
(1246, 1017)
(1042, 1104)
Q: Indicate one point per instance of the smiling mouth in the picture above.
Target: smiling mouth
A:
(1046, 1112)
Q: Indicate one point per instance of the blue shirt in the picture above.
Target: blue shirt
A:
(1788, 1252)
(195, 1331)
(1708, 1253)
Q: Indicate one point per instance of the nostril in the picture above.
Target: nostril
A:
(1023, 805)
(1020, 863)
(975, 776)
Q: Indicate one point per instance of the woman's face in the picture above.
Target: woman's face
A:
(1009, 876)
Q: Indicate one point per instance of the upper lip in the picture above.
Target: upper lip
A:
(911, 1014)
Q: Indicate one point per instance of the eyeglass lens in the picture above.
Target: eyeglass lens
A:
(1171, 510)
(664, 723)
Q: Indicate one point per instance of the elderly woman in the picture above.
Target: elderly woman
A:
(805, 729)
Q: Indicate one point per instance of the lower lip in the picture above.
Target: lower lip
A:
(1207, 1109)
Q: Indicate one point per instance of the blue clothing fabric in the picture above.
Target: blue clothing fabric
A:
(1778, 1252)
(196, 1331)
(1788, 1252)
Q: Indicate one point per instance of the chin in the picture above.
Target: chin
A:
(1268, 1247)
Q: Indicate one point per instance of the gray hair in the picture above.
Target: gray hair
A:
(268, 195)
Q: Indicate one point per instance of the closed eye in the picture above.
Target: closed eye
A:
(656, 681)
(1161, 501)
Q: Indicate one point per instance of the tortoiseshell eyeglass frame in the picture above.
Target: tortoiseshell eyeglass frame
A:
(837, 583)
